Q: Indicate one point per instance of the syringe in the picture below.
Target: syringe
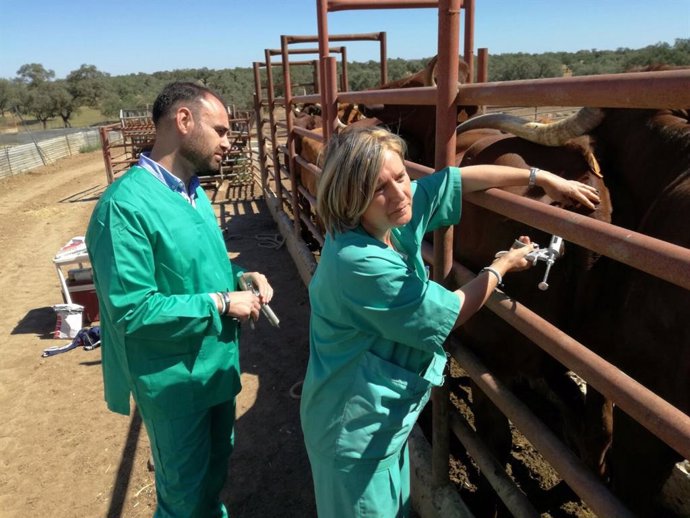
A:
(265, 308)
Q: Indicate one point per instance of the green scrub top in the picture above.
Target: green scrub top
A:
(377, 330)
(155, 260)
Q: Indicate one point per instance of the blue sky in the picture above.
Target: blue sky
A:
(130, 36)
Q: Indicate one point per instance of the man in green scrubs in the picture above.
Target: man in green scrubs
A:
(169, 302)
(378, 323)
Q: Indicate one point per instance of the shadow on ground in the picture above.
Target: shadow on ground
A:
(269, 469)
(38, 321)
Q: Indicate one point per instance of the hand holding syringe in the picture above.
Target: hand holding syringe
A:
(548, 255)
(248, 285)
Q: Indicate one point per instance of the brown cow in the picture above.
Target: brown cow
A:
(640, 323)
(513, 358)
(634, 320)
(401, 119)
(416, 124)
(309, 148)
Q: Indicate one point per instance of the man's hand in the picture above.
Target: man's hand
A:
(261, 282)
(244, 305)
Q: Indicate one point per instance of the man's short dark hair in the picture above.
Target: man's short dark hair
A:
(179, 91)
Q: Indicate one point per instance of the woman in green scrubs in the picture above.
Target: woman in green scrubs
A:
(378, 323)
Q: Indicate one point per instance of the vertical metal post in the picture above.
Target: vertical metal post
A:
(270, 97)
(9, 162)
(317, 76)
(292, 164)
(330, 96)
(482, 65)
(384, 58)
(261, 139)
(447, 89)
(322, 24)
(468, 54)
(107, 158)
(344, 83)
(482, 71)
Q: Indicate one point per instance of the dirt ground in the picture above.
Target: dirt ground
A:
(62, 453)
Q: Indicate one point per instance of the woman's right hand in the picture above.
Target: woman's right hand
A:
(514, 260)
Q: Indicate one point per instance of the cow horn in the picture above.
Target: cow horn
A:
(430, 72)
(556, 134)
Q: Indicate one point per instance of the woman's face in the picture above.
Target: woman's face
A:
(391, 205)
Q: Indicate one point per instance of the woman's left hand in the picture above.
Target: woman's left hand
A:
(561, 190)
(261, 282)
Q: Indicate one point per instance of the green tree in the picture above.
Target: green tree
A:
(34, 74)
(7, 95)
(65, 103)
(41, 102)
(111, 105)
(236, 85)
(88, 85)
(364, 75)
(203, 75)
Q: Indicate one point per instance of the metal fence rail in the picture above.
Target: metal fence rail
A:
(25, 157)
(543, 100)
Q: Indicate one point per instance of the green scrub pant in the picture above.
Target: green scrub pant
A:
(362, 492)
(191, 456)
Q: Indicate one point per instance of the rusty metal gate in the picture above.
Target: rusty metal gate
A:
(658, 258)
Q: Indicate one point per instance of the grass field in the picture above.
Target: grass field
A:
(84, 117)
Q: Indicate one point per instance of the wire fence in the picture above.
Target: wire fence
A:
(25, 157)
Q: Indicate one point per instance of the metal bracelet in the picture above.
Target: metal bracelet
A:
(498, 276)
(226, 299)
(222, 303)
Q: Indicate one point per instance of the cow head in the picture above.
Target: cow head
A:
(640, 151)
(300, 110)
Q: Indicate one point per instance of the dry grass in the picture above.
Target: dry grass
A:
(84, 117)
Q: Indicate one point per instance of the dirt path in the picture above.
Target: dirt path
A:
(62, 453)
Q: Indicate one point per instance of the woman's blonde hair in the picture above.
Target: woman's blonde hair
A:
(351, 163)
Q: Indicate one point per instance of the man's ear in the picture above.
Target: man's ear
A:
(184, 120)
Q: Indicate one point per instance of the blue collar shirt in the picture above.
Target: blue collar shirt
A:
(169, 179)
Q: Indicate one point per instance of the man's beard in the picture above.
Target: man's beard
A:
(204, 164)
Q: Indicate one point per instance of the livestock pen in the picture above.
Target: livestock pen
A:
(657, 258)
(123, 142)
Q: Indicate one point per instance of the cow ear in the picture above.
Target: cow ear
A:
(430, 72)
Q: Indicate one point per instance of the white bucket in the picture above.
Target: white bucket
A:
(69, 320)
